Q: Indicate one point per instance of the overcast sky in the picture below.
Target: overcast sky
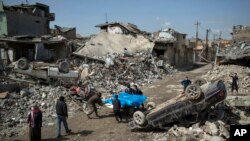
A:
(150, 15)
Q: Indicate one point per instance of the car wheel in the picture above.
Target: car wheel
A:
(200, 82)
(23, 63)
(139, 118)
(150, 105)
(63, 67)
(193, 92)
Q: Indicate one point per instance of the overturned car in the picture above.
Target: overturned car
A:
(185, 109)
(45, 72)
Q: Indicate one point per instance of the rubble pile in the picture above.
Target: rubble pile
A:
(139, 69)
(224, 71)
(104, 43)
(214, 131)
(14, 108)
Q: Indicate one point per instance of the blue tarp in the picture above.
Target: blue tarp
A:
(128, 100)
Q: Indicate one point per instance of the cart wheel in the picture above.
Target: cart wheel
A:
(150, 105)
(194, 93)
(23, 63)
(139, 118)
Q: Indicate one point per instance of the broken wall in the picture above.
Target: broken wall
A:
(24, 24)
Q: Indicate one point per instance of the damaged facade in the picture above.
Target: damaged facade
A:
(239, 51)
(241, 34)
(67, 32)
(34, 49)
(171, 46)
(200, 53)
(119, 28)
(19, 19)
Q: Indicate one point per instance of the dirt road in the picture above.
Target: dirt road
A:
(106, 128)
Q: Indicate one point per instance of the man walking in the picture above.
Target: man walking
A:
(116, 108)
(95, 99)
(62, 114)
(35, 123)
(185, 83)
(235, 80)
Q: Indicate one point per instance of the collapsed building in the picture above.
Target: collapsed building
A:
(67, 32)
(241, 34)
(171, 46)
(239, 51)
(113, 38)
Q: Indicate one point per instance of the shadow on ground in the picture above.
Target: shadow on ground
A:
(82, 133)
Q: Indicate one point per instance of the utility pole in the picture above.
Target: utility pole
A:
(106, 17)
(197, 24)
(206, 50)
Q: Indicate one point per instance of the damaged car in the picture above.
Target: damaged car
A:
(185, 109)
(45, 72)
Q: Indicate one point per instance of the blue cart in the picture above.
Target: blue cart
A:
(128, 101)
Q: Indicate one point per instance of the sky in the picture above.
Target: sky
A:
(150, 15)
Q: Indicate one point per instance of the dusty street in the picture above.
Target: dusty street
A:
(172, 74)
(106, 128)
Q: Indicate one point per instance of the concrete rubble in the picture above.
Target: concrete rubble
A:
(118, 70)
(139, 69)
(224, 71)
(103, 43)
(15, 107)
(210, 131)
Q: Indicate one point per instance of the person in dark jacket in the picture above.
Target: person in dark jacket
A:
(35, 123)
(62, 115)
(185, 83)
(117, 108)
(136, 90)
(235, 80)
(95, 99)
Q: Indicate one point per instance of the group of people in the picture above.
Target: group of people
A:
(234, 84)
(35, 120)
(35, 115)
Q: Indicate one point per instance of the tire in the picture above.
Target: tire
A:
(23, 64)
(139, 118)
(194, 93)
(63, 67)
(200, 82)
(150, 105)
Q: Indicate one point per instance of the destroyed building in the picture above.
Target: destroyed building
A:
(67, 32)
(119, 28)
(33, 48)
(19, 19)
(200, 53)
(241, 33)
(239, 51)
(171, 45)
(113, 38)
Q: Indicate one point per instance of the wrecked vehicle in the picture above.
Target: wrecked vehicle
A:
(185, 109)
(45, 72)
